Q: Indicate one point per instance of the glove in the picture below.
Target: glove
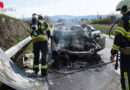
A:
(112, 58)
(48, 43)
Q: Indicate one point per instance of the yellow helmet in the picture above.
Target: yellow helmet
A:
(123, 5)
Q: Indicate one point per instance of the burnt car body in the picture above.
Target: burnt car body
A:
(72, 43)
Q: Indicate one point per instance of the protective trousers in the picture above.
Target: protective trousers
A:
(125, 71)
(43, 47)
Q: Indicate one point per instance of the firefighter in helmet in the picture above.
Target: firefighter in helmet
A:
(122, 43)
(40, 35)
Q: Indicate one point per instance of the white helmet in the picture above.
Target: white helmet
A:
(35, 16)
(40, 18)
(124, 6)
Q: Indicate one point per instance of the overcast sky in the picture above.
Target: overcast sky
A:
(60, 7)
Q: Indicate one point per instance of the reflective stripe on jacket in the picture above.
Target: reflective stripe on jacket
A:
(123, 32)
(115, 47)
(43, 26)
(44, 66)
(35, 66)
(40, 36)
(122, 36)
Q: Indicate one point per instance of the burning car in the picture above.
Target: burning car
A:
(72, 43)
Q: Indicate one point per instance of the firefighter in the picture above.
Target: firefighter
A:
(122, 43)
(40, 36)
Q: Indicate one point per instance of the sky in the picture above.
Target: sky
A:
(25, 8)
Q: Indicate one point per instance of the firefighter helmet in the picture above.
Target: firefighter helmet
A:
(124, 6)
(34, 15)
(41, 17)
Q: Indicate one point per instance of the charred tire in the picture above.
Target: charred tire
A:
(61, 59)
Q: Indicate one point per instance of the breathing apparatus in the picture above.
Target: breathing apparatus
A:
(36, 19)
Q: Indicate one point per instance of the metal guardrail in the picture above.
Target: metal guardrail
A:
(14, 77)
(13, 50)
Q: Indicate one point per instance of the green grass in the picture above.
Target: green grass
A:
(107, 32)
(103, 26)
(19, 39)
(19, 30)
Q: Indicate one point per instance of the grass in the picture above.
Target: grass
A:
(103, 26)
(106, 27)
(15, 28)
(19, 39)
(107, 32)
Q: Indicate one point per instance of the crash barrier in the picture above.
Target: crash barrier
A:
(13, 50)
(14, 77)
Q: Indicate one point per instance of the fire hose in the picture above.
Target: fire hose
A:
(117, 55)
(112, 28)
